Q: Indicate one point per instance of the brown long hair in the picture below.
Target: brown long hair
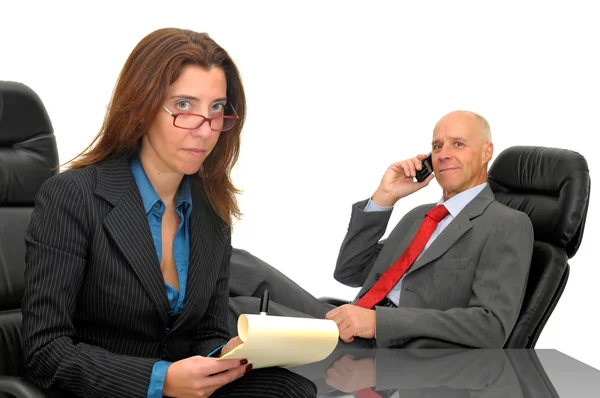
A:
(153, 65)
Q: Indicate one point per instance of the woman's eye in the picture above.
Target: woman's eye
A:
(182, 105)
(217, 108)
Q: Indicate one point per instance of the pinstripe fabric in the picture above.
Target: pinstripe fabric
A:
(95, 308)
(269, 383)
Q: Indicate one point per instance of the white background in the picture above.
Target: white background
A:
(338, 90)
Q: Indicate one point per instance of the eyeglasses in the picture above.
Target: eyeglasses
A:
(191, 121)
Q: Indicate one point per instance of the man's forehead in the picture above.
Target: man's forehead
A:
(457, 124)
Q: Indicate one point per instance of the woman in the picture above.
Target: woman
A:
(128, 251)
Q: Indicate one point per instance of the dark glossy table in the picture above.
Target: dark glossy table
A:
(373, 373)
(407, 373)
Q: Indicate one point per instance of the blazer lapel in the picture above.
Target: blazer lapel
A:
(127, 224)
(405, 242)
(204, 238)
(452, 233)
(455, 230)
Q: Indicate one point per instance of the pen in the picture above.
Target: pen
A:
(264, 302)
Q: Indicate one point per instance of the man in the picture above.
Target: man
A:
(466, 285)
(451, 274)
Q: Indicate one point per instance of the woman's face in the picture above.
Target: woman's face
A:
(176, 150)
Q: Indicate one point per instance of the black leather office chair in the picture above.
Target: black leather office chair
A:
(28, 156)
(552, 186)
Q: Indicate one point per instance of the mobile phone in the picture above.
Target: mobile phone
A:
(426, 169)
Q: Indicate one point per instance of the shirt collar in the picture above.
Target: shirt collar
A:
(185, 192)
(147, 191)
(459, 201)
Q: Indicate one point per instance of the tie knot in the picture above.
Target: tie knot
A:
(438, 213)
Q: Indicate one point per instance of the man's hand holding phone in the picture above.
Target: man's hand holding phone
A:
(399, 180)
(426, 169)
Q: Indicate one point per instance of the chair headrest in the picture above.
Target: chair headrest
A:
(28, 152)
(551, 185)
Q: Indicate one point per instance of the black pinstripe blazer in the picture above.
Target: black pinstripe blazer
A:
(95, 309)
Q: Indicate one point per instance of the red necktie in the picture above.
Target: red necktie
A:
(391, 277)
(367, 393)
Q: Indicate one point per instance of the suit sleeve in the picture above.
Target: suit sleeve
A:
(213, 331)
(57, 246)
(497, 294)
(361, 245)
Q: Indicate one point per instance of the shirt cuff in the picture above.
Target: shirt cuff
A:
(372, 206)
(216, 350)
(157, 379)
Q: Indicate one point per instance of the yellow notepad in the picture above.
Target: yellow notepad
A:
(283, 341)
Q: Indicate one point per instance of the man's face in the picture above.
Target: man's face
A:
(459, 153)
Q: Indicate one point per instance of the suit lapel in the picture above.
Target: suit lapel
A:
(405, 242)
(449, 236)
(202, 263)
(127, 224)
(455, 230)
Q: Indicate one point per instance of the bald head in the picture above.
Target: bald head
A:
(467, 117)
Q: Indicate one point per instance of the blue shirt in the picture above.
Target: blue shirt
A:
(454, 205)
(155, 209)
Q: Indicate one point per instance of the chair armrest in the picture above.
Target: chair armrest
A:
(334, 301)
(20, 387)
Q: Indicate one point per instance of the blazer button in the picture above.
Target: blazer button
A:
(377, 276)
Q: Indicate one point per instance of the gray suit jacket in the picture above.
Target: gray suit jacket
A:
(468, 286)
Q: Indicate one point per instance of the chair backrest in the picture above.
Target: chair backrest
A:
(552, 186)
(28, 156)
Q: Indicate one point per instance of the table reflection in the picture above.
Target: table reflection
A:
(402, 373)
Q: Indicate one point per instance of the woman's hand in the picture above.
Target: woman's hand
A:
(200, 376)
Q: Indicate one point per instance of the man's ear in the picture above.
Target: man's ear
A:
(488, 152)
